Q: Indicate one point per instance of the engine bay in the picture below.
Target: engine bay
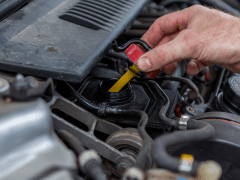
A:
(59, 120)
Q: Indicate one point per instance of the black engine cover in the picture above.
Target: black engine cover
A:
(63, 39)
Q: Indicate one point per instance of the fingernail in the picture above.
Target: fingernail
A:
(144, 64)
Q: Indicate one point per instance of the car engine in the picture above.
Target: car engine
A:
(58, 119)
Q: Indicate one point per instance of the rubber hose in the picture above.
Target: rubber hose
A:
(130, 42)
(118, 55)
(200, 131)
(218, 115)
(190, 84)
(82, 99)
(221, 5)
(165, 106)
(187, 82)
(180, 71)
(71, 141)
(142, 156)
(94, 169)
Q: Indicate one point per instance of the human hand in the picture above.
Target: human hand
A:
(206, 35)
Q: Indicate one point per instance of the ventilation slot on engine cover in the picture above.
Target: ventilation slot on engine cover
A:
(98, 14)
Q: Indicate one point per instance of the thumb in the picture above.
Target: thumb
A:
(165, 54)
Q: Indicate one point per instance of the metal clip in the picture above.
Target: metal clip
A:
(183, 122)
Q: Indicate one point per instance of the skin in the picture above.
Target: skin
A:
(206, 35)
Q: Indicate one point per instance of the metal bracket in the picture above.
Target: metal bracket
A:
(93, 123)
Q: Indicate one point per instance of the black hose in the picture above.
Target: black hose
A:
(221, 76)
(94, 170)
(188, 2)
(162, 113)
(183, 88)
(187, 82)
(200, 131)
(127, 44)
(71, 141)
(142, 156)
(180, 71)
(118, 55)
(82, 99)
(218, 86)
(218, 115)
(221, 5)
(92, 167)
(166, 104)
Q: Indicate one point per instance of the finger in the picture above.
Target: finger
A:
(166, 25)
(167, 38)
(175, 50)
(233, 67)
(169, 69)
(194, 67)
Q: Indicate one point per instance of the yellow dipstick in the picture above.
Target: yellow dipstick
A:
(124, 79)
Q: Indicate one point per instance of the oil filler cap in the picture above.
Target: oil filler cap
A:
(231, 93)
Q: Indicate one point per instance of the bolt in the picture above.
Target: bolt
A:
(20, 78)
(190, 109)
(19, 85)
(123, 165)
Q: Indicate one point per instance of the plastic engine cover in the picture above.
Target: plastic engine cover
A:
(63, 39)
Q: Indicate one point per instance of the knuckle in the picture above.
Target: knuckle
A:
(193, 43)
(196, 10)
(196, 7)
(197, 50)
(188, 36)
(154, 27)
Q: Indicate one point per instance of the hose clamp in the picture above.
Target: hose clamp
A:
(134, 173)
(102, 109)
(182, 124)
(86, 156)
(186, 163)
